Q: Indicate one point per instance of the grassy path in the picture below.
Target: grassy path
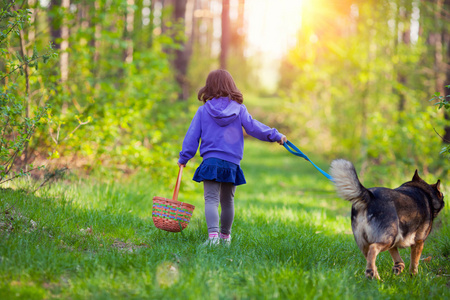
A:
(291, 240)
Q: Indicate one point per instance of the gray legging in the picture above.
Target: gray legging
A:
(216, 192)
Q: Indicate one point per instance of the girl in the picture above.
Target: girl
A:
(218, 123)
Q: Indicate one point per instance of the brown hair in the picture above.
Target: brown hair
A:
(219, 83)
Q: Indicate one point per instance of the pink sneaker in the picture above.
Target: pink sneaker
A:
(225, 238)
(213, 239)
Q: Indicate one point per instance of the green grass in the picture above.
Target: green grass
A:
(291, 240)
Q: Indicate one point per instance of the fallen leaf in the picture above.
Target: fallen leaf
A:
(428, 259)
(33, 224)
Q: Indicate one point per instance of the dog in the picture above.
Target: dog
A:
(386, 219)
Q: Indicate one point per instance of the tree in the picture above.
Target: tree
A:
(174, 25)
(151, 24)
(445, 38)
(60, 34)
(401, 45)
(64, 54)
(128, 31)
(349, 58)
(182, 53)
(18, 122)
(226, 33)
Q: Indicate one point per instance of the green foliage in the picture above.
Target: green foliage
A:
(12, 21)
(443, 102)
(17, 123)
(388, 145)
(110, 112)
(16, 132)
(355, 88)
(131, 123)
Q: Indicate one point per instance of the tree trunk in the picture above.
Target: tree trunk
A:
(446, 90)
(97, 35)
(403, 15)
(209, 29)
(179, 57)
(26, 70)
(436, 41)
(64, 55)
(32, 28)
(406, 40)
(225, 39)
(240, 30)
(182, 55)
(166, 6)
(55, 22)
(27, 39)
(138, 21)
(151, 24)
(128, 31)
(192, 28)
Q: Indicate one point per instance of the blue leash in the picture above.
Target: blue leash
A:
(288, 145)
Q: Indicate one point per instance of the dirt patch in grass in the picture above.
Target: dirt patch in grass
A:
(127, 246)
(10, 219)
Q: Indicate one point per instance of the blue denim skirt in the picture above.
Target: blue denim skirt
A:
(219, 170)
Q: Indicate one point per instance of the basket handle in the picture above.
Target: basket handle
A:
(177, 185)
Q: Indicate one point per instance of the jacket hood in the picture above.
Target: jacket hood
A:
(223, 110)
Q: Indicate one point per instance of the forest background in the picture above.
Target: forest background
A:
(120, 80)
(103, 91)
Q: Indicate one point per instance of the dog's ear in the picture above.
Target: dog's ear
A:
(416, 176)
(437, 203)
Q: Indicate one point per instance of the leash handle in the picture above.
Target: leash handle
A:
(294, 150)
(177, 185)
(288, 145)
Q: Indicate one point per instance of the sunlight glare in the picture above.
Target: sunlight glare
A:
(44, 3)
(272, 28)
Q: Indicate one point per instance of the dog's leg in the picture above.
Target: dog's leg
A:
(399, 264)
(374, 250)
(364, 250)
(416, 251)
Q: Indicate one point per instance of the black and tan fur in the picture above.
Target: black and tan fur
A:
(386, 219)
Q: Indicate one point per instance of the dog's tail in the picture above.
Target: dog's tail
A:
(347, 183)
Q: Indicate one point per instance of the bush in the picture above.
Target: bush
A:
(19, 120)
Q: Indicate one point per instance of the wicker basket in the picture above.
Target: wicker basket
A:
(171, 214)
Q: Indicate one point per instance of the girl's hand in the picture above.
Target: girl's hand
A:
(179, 165)
(283, 140)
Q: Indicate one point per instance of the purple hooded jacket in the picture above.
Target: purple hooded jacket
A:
(218, 123)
